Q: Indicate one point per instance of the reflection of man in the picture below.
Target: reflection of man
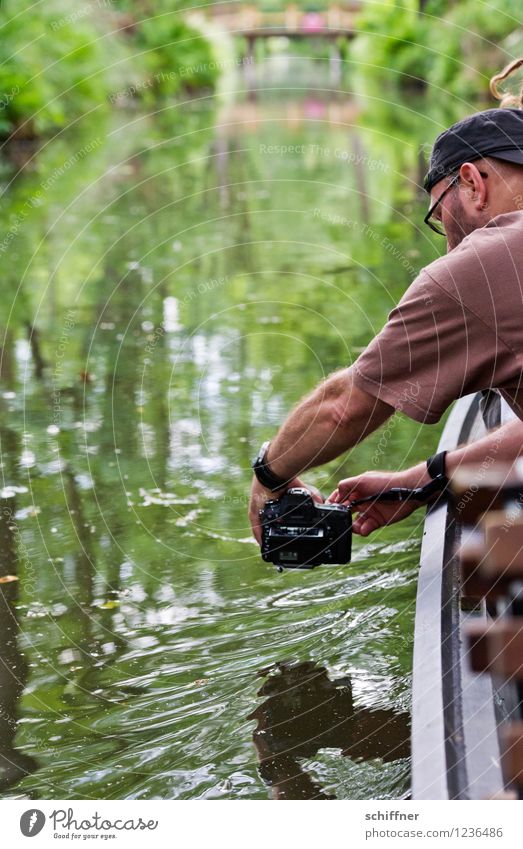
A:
(456, 330)
(303, 712)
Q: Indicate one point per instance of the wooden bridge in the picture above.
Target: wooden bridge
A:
(251, 22)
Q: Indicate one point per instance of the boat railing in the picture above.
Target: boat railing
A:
(467, 726)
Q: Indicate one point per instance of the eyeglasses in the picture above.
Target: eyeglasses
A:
(435, 224)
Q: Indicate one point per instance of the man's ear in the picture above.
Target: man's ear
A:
(474, 185)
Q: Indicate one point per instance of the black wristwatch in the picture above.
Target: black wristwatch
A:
(436, 470)
(264, 473)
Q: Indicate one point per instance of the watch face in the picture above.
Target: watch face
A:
(258, 461)
(266, 477)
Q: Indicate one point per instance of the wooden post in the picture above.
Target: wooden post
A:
(334, 17)
(250, 18)
(292, 18)
(250, 62)
(335, 64)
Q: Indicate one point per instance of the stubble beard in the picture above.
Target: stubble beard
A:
(461, 224)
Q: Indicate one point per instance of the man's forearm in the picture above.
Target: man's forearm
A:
(504, 444)
(329, 421)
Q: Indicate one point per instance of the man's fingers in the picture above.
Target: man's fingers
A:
(347, 484)
(333, 497)
(256, 529)
(366, 526)
(353, 495)
(259, 497)
(368, 521)
(348, 489)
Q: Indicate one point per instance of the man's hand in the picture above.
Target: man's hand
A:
(376, 515)
(327, 422)
(259, 495)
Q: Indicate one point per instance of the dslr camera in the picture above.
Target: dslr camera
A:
(298, 533)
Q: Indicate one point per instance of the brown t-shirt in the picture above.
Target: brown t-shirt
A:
(457, 329)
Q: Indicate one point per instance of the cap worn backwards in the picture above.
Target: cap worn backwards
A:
(494, 132)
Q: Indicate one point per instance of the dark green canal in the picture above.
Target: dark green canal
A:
(171, 284)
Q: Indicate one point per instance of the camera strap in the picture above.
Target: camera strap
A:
(401, 493)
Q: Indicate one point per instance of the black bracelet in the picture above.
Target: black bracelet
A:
(436, 468)
(264, 473)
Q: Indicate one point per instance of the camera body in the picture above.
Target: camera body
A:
(298, 533)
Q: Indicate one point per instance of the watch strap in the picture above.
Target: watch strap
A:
(436, 468)
(264, 473)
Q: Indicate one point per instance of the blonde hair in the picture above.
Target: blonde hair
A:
(507, 98)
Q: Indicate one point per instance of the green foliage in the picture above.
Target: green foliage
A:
(176, 55)
(391, 41)
(451, 46)
(472, 34)
(53, 66)
(58, 64)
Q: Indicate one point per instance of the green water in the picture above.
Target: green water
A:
(189, 275)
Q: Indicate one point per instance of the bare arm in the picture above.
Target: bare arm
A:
(504, 444)
(329, 421)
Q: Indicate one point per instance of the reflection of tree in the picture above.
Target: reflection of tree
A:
(161, 237)
(303, 712)
(94, 627)
(13, 668)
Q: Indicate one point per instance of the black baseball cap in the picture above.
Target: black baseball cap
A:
(494, 132)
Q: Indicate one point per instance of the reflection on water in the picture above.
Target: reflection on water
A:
(164, 303)
(14, 764)
(303, 712)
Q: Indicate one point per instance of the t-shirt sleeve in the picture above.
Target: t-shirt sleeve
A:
(432, 350)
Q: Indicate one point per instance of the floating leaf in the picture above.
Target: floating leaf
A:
(7, 579)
